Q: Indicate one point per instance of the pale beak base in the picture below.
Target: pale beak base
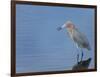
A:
(60, 28)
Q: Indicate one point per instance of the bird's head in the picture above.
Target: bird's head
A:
(68, 25)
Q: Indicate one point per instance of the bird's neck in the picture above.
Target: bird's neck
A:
(70, 31)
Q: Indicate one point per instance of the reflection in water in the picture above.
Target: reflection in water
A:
(82, 64)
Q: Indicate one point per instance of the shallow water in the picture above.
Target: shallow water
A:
(40, 47)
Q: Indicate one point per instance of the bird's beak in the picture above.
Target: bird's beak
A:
(61, 27)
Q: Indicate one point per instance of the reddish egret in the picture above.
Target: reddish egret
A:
(77, 37)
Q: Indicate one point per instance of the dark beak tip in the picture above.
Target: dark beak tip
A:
(59, 28)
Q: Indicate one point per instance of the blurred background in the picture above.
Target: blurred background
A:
(40, 47)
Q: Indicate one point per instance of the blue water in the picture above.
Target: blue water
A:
(40, 47)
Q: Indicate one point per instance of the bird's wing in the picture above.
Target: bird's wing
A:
(80, 39)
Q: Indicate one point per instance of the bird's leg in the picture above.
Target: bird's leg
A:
(77, 58)
(77, 54)
(82, 56)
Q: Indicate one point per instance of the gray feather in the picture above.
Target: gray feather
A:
(80, 39)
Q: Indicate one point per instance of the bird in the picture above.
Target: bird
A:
(79, 39)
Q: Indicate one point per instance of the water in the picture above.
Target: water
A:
(40, 47)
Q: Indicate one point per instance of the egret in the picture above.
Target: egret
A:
(77, 37)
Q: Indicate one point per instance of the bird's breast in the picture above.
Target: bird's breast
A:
(70, 32)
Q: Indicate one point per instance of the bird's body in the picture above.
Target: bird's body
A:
(78, 38)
